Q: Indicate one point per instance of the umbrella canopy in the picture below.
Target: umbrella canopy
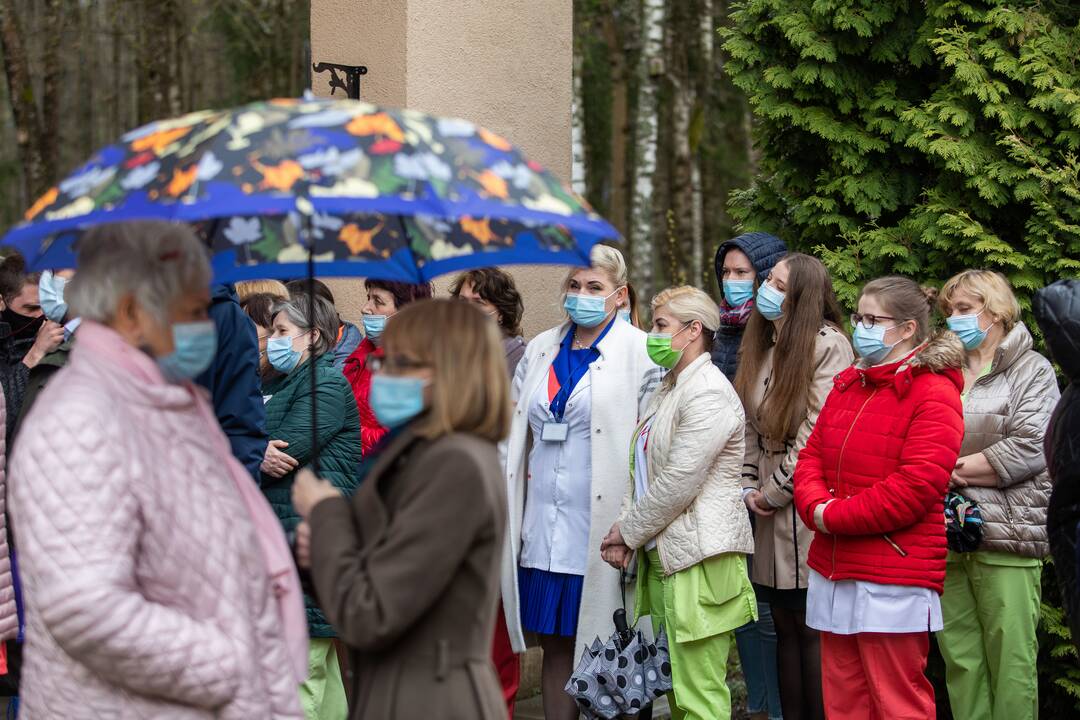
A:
(381, 193)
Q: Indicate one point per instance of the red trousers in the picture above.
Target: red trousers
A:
(876, 676)
(506, 662)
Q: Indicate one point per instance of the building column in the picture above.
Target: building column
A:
(505, 65)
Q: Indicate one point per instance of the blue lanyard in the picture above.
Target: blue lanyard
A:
(574, 373)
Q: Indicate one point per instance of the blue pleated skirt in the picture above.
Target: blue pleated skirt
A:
(549, 601)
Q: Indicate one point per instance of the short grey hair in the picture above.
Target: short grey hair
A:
(297, 309)
(156, 262)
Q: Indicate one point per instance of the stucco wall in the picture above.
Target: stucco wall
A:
(503, 64)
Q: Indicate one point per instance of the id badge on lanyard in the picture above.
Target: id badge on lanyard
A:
(555, 430)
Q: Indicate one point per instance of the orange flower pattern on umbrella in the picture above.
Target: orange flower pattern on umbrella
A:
(479, 228)
(438, 187)
(359, 241)
(43, 202)
(493, 184)
(281, 176)
(182, 179)
(496, 141)
(377, 124)
(160, 140)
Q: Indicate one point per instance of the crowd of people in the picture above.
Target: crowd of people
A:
(231, 502)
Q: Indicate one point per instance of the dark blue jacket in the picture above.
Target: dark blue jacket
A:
(764, 251)
(233, 380)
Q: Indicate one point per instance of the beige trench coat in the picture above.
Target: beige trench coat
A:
(782, 541)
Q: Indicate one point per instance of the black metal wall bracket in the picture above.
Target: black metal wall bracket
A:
(351, 83)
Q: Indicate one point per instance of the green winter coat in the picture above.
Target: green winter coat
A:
(288, 418)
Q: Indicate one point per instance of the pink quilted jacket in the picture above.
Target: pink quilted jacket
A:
(146, 592)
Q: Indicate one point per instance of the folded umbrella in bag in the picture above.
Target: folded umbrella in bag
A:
(622, 676)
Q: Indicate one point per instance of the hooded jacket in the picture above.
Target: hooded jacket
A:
(764, 251)
(872, 478)
(1006, 413)
(233, 380)
(1057, 310)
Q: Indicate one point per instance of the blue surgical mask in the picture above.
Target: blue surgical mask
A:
(373, 326)
(586, 310)
(870, 344)
(280, 353)
(738, 292)
(770, 302)
(624, 314)
(966, 328)
(51, 296)
(195, 344)
(396, 400)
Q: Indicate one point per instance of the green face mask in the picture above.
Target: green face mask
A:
(660, 351)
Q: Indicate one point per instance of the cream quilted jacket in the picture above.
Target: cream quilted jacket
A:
(145, 590)
(694, 505)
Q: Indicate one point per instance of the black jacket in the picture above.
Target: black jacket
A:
(1057, 310)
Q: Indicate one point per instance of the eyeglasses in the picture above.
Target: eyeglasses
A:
(868, 321)
(393, 365)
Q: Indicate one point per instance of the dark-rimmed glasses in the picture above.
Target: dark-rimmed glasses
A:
(867, 320)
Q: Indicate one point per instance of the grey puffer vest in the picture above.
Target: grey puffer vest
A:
(1006, 413)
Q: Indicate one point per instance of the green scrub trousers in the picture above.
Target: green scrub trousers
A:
(322, 695)
(700, 608)
(991, 607)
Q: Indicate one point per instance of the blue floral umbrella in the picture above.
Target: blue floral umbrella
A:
(351, 188)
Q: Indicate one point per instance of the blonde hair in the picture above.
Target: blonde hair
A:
(247, 288)
(687, 304)
(990, 287)
(470, 391)
(606, 258)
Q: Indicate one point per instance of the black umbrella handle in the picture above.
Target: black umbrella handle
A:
(311, 359)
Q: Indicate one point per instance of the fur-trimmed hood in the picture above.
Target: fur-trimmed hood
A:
(942, 354)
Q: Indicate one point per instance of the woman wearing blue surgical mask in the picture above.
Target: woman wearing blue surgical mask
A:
(384, 300)
(408, 569)
(742, 264)
(789, 357)
(991, 603)
(169, 590)
(871, 482)
(578, 391)
(294, 344)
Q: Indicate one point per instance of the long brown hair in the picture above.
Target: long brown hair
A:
(809, 303)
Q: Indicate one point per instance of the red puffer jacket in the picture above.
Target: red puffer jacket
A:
(872, 478)
(359, 377)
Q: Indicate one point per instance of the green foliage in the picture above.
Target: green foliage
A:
(921, 138)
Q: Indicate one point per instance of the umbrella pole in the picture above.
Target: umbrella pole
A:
(311, 358)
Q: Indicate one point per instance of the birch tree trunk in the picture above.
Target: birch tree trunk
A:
(706, 32)
(577, 118)
(650, 70)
